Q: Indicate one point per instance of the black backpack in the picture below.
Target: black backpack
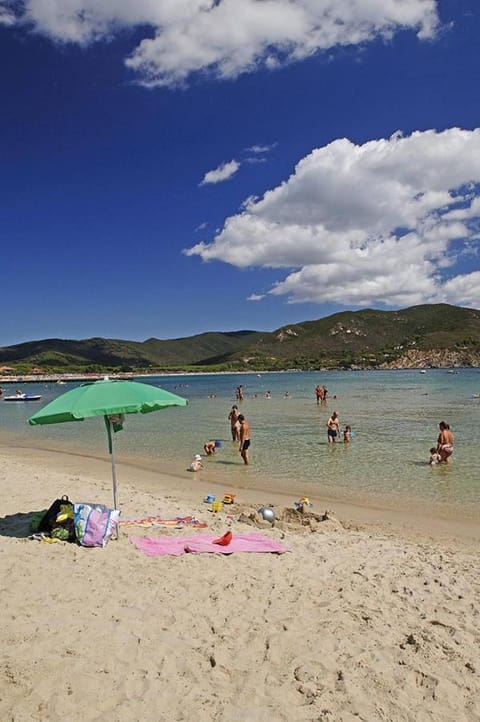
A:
(58, 520)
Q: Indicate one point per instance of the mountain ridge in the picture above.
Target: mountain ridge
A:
(447, 335)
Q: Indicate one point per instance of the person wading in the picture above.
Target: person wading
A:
(244, 437)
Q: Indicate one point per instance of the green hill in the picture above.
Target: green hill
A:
(96, 353)
(368, 336)
(422, 335)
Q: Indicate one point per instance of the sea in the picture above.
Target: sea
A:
(394, 416)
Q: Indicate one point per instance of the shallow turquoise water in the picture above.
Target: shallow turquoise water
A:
(394, 416)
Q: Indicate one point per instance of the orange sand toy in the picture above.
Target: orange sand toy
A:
(229, 498)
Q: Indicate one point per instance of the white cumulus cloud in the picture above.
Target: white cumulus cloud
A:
(223, 37)
(222, 173)
(380, 223)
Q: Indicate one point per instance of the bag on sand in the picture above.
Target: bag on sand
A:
(94, 524)
(58, 520)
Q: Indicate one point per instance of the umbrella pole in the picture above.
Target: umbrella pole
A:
(114, 470)
(111, 448)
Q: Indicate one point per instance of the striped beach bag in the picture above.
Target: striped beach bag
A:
(94, 524)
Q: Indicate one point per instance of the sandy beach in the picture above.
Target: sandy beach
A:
(369, 616)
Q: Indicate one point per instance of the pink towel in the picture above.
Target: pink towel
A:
(175, 546)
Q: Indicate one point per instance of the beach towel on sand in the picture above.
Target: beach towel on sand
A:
(175, 546)
(178, 522)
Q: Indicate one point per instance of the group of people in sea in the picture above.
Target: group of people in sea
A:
(240, 433)
(321, 394)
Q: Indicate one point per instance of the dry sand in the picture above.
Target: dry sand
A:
(360, 621)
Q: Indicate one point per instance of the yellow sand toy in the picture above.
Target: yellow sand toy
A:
(304, 501)
(217, 506)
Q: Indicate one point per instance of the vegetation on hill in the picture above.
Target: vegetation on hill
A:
(428, 335)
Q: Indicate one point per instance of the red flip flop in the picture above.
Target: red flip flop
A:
(224, 540)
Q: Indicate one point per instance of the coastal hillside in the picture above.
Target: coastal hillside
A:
(377, 338)
(60, 354)
(420, 336)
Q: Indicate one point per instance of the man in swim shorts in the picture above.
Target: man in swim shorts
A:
(333, 428)
(244, 438)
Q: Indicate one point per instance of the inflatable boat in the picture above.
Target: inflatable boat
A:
(23, 397)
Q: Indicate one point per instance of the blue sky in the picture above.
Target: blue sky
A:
(174, 168)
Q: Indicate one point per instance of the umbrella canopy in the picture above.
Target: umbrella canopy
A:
(108, 398)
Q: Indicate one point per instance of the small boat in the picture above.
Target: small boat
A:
(423, 371)
(23, 397)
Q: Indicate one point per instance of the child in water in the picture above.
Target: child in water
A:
(347, 435)
(196, 464)
(211, 446)
(435, 457)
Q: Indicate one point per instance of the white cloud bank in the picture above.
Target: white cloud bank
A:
(380, 223)
(223, 37)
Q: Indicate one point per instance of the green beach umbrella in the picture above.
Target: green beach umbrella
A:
(111, 399)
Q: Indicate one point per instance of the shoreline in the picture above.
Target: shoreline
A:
(372, 513)
(61, 378)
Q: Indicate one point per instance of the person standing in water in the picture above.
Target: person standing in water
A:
(244, 438)
(234, 425)
(333, 428)
(325, 395)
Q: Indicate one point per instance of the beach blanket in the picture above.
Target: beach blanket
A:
(178, 522)
(199, 543)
